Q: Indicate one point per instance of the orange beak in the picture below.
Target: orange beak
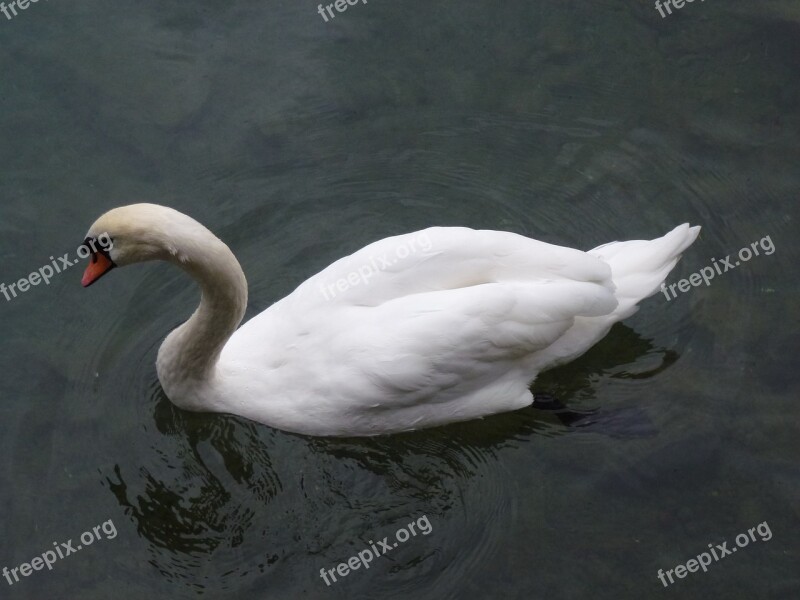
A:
(98, 266)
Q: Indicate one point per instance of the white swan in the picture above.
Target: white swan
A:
(442, 325)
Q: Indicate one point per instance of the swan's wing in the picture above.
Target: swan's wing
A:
(436, 346)
(445, 258)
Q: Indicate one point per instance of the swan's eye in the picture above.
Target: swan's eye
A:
(98, 246)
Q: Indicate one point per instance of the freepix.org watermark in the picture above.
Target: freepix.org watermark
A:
(339, 5)
(706, 274)
(361, 276)
(718, 551)
(10, 11)
(46, 273)
(676, 4)
(60, 551)
(367, 555)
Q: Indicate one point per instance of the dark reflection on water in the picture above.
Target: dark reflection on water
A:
(199, 522)
(622, 350)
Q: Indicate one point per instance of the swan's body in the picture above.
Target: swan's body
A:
(450, 323)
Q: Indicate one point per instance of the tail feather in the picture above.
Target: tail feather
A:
(639, 267)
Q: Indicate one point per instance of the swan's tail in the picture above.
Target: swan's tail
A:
(639, 267)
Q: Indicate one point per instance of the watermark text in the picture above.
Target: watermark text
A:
(706, 274)
(362, 275)
(367, 555)
(47, 272)
(60, 551)
(718, 551)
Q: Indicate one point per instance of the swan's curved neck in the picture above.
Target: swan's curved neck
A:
(188, 356)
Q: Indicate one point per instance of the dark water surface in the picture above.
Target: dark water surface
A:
(298, 141)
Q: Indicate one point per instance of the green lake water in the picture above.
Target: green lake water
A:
(298, 141)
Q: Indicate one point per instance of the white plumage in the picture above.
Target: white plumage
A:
(433, 327)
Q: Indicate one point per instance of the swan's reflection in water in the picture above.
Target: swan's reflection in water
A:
(219, 458)
(227, 504)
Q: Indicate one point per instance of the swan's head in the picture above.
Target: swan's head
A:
(139, 233)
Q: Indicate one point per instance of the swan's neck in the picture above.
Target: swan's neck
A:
(188, 357)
